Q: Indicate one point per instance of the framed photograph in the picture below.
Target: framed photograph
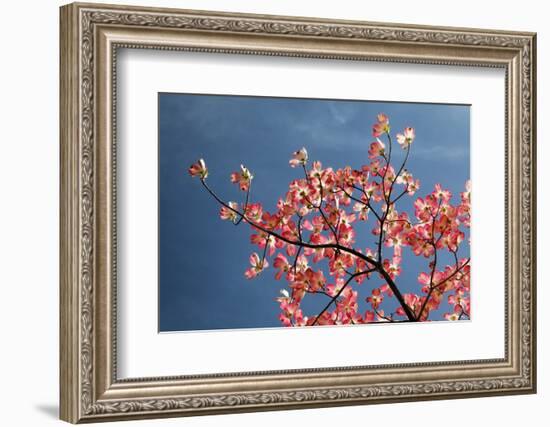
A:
(267, 212)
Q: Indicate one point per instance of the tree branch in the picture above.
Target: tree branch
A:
(377, 264)
(245, 202)
(433, 242)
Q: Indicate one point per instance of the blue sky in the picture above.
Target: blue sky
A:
(202, 258)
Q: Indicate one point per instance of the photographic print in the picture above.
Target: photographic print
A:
(286, 212)
(289, 204)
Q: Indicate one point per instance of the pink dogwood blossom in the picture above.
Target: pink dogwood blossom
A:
(198, 169)
(298, 158)
(242, 178)
(406, 138)
(257, 265)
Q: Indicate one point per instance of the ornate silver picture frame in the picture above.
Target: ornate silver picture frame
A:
(91, 37)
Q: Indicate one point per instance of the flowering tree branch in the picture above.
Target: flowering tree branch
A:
(317, 219)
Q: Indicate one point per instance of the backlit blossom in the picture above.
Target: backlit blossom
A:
(381, 126)
(440, 193)
(362, 210)
(254, 211)
(242, 178)
(257, 266)
(298, 158)
(377, 148)
(263, 239)
(282, 265)
(230, 213)
(198, 169)
(376, 298)
(406, 138)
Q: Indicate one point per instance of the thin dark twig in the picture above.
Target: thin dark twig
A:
(350, 278)
(319, 292)
(245, 203)
(306, 174)
(389, 319)
(299, 247)
(400, 170)
(405, 191)
(265, 251)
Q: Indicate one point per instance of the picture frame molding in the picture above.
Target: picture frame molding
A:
(89, 38)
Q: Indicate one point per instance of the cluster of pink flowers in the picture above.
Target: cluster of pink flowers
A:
(319, 218)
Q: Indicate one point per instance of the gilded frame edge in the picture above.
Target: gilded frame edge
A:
(89, 392)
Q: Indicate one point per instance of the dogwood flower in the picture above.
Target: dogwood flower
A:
(382, 126)
(298, 158)
(440, 193)
(406, 138)
(229, 214)
(257, 266)
(376, 149)
(198, 169)
(282, 265)
(242, 178)
(376, 298)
